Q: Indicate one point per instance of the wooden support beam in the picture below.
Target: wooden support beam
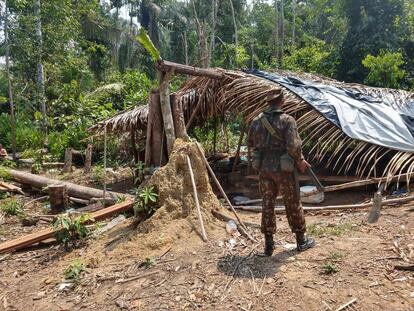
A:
(48, 233)
(166, 109)
(155, 133)
(166, 66)
(237, 156)
(178, 117)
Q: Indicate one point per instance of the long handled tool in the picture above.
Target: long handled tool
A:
(315, 179)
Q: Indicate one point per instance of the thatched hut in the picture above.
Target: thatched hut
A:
(219, 92)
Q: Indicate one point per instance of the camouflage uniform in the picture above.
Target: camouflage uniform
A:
(266, 157)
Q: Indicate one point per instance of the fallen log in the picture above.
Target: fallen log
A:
(48, 233)
(280, 209)
(75, 191)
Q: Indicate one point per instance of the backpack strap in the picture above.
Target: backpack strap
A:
(270, 129)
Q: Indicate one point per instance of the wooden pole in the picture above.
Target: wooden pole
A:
(104, 172)
(166, 110)
(166, 66)
(178, 117)
(223, 193)
(88, 159)
(237, 156)
(67, 168)
(134, 146)
(200, 218)
(155, 132)
(58, 197)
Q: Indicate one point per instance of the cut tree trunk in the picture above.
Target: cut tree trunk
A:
(153, 150)
(67, 168)
(178, 117)
(58, 197)
(74, 190)
(166, 110)
(88, 159)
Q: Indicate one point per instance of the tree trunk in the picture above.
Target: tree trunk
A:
(185, 43)
(134, 146)
(76, 191)
(233, 14)
(88, 159)
(155, 133)
(276, 33)
(9, 82)
(67, 168)
(166, 110)
(294, 24)
(40, 73)
(178, 116)
(58, 198)
(213, 28)
(282, 32)
(204, 50)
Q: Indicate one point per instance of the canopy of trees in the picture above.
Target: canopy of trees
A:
(71, 63)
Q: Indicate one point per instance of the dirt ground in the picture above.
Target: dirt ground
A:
(352, 260)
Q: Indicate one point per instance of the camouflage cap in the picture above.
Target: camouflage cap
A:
(274, 95)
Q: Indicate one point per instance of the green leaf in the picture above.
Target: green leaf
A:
(146, 42)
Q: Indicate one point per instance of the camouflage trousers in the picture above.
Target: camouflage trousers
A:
(270, 184)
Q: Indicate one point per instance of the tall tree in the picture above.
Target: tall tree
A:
(233, 14)
(9, 80)
(40, 72)
(372, 28)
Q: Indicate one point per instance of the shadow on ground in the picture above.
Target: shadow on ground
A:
(253, 265)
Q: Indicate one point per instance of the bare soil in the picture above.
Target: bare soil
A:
(162, 263)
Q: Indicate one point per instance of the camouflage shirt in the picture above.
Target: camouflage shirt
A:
(260, 140)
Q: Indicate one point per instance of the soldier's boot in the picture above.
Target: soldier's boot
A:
(304, 242)
(269, 245)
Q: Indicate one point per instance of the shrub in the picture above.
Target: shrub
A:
(145, 200)
(70, 230)
(12, 207)
(75, 269)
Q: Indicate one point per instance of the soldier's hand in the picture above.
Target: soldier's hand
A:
(303, 165)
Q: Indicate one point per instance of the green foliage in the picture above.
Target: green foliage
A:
(231, 57)
(146, 200)
(329, 268)
(70, 230)
(139, 172)
(385, 69)
(74, 271)
(335, 256)
(12, 207)
(146, 42)
(98, 174)
(149, 262)
(5, 174)
(315, 57)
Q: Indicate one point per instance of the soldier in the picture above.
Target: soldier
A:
(277, 155)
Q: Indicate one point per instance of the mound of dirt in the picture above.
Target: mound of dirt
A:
(177, 215)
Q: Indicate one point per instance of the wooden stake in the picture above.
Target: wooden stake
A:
(375, 210)
(104, 172)
(237, 156)
(67, 168)
(200, 218)
(178, 117)
(224, 194)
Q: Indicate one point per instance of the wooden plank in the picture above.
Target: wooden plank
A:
(44, 234)
(326, 179)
